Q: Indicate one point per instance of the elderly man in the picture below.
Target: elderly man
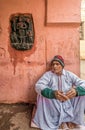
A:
(60, 99)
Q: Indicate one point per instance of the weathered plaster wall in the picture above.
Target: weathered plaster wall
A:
(82, 42)
(19, 70)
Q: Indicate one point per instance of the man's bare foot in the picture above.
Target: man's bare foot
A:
(71, 125)
(62, 126)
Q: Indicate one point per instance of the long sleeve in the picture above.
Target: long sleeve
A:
(80, 91)
(77, 81)
(48, 93)
(79, 84)
(43, 83)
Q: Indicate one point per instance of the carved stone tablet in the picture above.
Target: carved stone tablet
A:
(22, 31)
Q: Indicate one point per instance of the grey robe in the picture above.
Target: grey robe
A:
(51, 113)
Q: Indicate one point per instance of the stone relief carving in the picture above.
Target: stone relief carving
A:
(22, 31)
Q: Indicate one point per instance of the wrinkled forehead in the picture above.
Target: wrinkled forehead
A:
(55, 62)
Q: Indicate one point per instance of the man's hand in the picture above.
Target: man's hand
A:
(60, 96)
(71, 93)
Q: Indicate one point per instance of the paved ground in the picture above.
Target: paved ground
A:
(17, 117)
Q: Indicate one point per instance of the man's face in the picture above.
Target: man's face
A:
(57, 67)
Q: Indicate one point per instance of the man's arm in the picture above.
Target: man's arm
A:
(48, 93)
(51, 94)
(80, 91)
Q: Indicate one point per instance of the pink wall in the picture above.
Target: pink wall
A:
(56, 27)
